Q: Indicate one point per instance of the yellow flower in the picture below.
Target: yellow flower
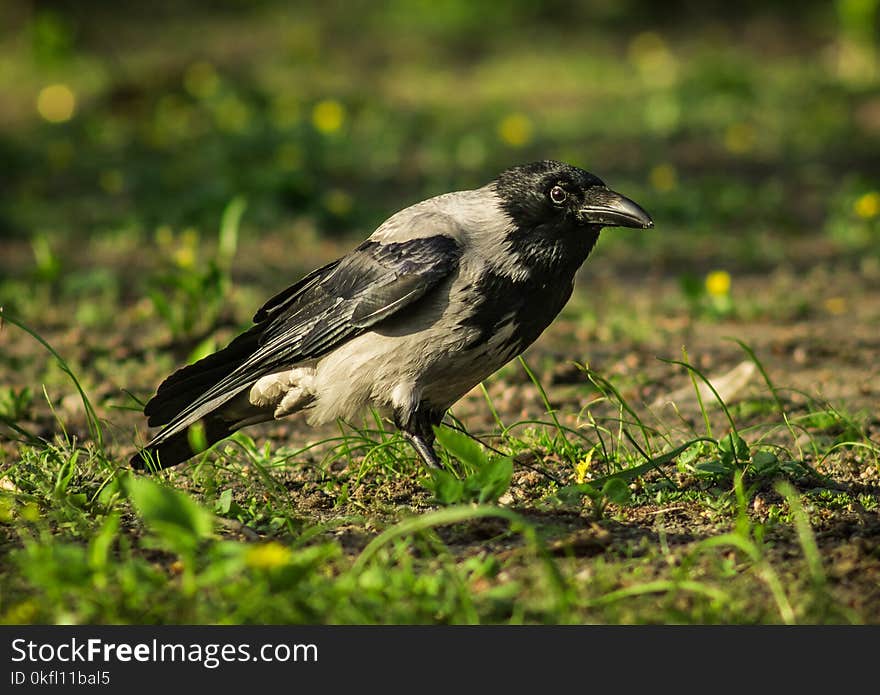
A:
(184, 255)
(867, 206)
(515, 130)
(56, 103)
(663, 178)
(718, 283)
(328, 116)
(267, 556)
(580, 470)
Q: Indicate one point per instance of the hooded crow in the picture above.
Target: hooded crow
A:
(440, 296)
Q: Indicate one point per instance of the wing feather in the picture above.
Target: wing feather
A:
(320, 312)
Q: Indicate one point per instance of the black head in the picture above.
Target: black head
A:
(558, 195)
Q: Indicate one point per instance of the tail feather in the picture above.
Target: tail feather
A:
(186, 384)
(175, 400)
(169, 451)
(165, 407)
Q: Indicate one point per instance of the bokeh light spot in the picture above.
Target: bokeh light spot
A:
(515, 130)
(56, 103)
(654, 60)
(328, 116)
(663, 178)
(867, 206)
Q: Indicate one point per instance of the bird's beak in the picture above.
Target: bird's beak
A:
(610, 209)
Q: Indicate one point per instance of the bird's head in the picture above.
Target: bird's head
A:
(551, 194)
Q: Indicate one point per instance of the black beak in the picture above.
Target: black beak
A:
(609, 209)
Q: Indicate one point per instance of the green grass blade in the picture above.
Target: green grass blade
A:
(91, 416)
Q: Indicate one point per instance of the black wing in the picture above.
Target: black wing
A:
(307, 320)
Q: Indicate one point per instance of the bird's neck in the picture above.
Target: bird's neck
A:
(546, 250)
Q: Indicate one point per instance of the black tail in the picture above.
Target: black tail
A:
(185, 385)
(179, 447)
(171, 406)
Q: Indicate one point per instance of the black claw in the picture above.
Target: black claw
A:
(424, 450)
(418, 428)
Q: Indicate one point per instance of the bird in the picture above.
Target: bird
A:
(439, 297)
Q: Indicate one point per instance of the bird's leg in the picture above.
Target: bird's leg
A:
(418, 429)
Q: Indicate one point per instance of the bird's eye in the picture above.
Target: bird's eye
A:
(558, 195)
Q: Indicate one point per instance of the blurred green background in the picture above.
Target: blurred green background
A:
(750, 132)
(167, 165)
